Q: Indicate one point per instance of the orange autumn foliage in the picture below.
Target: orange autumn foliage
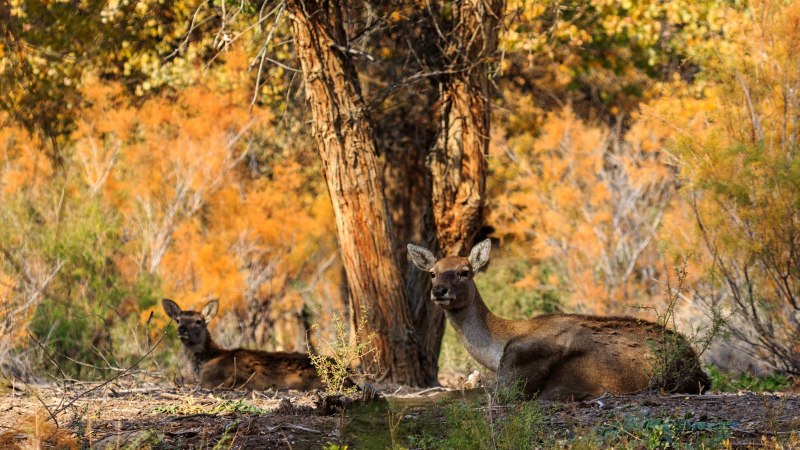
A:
(586, 204)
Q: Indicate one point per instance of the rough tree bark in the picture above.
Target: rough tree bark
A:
(457, 160)
(343, 132)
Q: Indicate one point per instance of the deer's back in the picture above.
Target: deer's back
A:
(258, 370)
(583, 325)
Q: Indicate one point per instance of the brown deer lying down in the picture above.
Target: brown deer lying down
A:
(215, 367)
(559, 356)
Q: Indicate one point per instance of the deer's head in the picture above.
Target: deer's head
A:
(451, 277)
(192, 325)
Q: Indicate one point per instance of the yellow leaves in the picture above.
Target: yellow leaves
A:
(615, 49)
(17, 8)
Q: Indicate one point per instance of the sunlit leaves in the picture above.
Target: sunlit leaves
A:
(50, 45)
(604, 56)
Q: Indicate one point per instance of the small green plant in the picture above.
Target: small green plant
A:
(658, 433)
(237, 407)
(492, 427)
(226, 440)
(731, 382)
(501, 421)
(332, 446)
(466, 426)
(672, 349)
(509, 392)
(171, 410)
(337, 371)
(519, 427)
(395, 418)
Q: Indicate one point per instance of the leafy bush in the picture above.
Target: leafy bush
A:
(63, 259)
(672, 349)
(738, 154)
(338, 369)
(507, 295)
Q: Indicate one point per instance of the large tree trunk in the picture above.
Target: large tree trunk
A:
(343, 132)
(458, 158)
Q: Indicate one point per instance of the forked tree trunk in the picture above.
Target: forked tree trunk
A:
(346, 144)
(458, 159)
(458, 165)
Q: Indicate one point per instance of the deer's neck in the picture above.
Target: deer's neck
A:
(483, 334)
(200, 354)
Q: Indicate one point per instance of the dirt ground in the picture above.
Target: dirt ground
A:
(157, 416)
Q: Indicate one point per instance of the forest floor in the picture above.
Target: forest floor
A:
(116, 416)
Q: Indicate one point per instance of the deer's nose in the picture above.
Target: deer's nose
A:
(439, 291)
(182, 329)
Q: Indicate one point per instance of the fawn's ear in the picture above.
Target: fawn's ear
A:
(172, 308)
(479, 255)
(210, 310)
(421, 257)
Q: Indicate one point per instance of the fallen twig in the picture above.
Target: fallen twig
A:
(192, 416)
(292, 427)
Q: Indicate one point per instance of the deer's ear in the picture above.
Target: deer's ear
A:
(172, 309)
(421, 257)
(210, 310)
(479, 255)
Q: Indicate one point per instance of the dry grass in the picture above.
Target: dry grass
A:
(37, 430)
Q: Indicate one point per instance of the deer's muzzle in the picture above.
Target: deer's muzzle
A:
(441, 295)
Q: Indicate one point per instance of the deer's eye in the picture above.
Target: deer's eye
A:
(433, 275)
(199, 321)
(463, 273)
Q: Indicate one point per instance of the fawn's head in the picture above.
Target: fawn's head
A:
(451, 277)
(192, 325)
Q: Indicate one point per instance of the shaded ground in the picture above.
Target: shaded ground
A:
(116, 416)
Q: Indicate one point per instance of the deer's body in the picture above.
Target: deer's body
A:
(560, 356)
(215, 367)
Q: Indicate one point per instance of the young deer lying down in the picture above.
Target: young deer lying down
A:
(559, 356)
(215, 367)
